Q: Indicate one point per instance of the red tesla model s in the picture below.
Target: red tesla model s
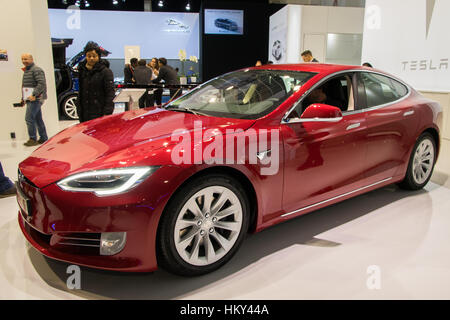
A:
(179, 186)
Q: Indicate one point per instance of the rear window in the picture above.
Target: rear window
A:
(382, 90)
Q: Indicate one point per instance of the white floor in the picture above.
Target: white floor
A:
(387, 244)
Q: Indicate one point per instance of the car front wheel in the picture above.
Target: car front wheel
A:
(203, 226)
(421, 163)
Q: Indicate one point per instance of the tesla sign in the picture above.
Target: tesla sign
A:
(409, 40)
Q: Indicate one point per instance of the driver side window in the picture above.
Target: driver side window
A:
(337, 92)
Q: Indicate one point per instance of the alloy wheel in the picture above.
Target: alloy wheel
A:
(423, 161)
(208, 225)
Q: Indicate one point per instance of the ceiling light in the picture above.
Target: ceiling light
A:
(87, 4)
(77, 3)
(188, 7)
(160, 3)
(115, 2)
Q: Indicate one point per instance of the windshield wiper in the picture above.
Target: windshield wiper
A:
(187, 110)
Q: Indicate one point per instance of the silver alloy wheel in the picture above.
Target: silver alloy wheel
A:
(70, 108)
(208, 225)
(423, 161)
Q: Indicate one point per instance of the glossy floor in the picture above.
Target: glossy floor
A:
(386, 244)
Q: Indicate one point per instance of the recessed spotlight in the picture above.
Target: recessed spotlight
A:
(160, 3)
(115, 2)
(188, 7)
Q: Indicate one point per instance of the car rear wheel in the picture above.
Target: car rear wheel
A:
(421, 163)
(203, 226)
(69, 107)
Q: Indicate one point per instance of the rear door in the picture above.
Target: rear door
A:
(391, 123)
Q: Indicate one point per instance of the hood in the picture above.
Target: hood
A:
(111, 141)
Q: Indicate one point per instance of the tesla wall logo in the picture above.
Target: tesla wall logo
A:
(425, 65)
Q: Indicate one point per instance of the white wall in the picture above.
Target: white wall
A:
(319, 21)
(159, 34)
(25, 28)
(278, 28)
(307, 27)
(410, 40)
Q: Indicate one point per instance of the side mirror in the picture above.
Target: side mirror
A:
(321, 112)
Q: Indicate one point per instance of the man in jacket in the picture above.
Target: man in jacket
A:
(143, 76)
(35, 87)
(96, 81)
(308, 57)
(128, 72)
(169, 75)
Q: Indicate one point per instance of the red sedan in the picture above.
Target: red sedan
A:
(179, 186)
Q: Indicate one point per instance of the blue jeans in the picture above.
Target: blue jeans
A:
(33, 118)
(5, 183)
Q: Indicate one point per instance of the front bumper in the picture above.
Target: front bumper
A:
(67, 226)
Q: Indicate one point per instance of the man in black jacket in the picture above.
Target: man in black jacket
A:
(169, 75)
(96, 93)
(308, 57)
(128, 72)
(143, 76)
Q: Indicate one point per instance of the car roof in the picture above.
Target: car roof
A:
(311, 67)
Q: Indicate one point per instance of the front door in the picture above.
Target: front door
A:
(323, 159)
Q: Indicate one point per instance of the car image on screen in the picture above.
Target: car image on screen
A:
(226, 24)
(180, 186)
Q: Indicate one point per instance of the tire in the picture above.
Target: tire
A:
(68, 107)
(421, 163)
(196, 235)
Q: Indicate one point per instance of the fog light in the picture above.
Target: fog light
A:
(112, 243)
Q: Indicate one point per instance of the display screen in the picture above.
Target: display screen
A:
(221, 21)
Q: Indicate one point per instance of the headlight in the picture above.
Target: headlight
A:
(106, 182)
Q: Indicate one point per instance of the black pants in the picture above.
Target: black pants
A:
(158, 96)
(143, 101)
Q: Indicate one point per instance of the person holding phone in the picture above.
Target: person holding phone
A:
(34, 91)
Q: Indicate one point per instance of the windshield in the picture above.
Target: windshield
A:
(248, 94)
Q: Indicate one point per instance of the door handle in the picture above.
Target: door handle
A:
(353, 126)
(408, 113)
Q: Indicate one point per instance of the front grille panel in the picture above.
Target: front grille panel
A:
(77, 239)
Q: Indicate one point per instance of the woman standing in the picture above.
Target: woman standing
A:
(96, 81)
(157, 93)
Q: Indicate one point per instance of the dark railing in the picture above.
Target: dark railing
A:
(157, 86)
